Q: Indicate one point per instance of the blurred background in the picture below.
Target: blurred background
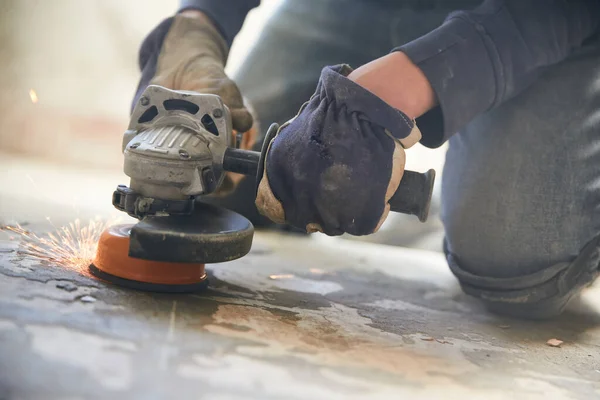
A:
(68, 71)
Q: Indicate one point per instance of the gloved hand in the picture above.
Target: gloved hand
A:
(189, 53)
(334, 167)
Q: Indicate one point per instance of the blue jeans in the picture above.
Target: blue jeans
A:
(520, 193)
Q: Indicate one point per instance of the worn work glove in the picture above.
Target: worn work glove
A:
(334, 167)
(189, 53)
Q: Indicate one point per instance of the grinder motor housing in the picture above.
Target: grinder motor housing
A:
(173, 151)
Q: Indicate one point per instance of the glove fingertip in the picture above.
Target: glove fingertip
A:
(241, 120)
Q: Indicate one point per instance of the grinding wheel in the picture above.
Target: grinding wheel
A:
(167, 254)
(114, 265)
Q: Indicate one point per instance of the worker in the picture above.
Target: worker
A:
(513, 86)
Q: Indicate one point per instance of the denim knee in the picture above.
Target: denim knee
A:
(539, 295)
(522, 258)
(522, 243)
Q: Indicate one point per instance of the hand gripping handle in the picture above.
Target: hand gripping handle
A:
(413, 196)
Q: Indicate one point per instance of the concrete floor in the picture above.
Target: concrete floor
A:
(298, 318)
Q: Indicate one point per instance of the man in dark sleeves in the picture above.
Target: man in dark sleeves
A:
(512, 85)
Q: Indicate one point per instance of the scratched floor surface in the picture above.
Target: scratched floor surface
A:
(298, 318)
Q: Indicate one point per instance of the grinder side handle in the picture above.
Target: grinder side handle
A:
(413, 196)
(241, 161)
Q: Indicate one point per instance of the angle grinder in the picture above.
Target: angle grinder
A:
(177, 148)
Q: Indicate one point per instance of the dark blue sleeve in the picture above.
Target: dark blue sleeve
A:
(228, 15)
(477, 59)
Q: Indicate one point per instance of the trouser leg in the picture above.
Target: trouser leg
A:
(521, 194)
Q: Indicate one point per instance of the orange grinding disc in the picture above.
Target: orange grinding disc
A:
(113, 264)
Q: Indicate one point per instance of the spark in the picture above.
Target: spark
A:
(171, 331)
(166, 348)
(281, 276)
(317, 271)
(33, 96)
(72, 247)
(32, 181)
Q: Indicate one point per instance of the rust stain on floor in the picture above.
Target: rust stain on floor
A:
(326, 340)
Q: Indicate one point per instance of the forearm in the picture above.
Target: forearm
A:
(227, 15)
(399, 82)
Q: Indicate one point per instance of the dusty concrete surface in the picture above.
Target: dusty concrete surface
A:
(298, 318)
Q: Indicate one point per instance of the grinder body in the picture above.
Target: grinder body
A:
(173, 151)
